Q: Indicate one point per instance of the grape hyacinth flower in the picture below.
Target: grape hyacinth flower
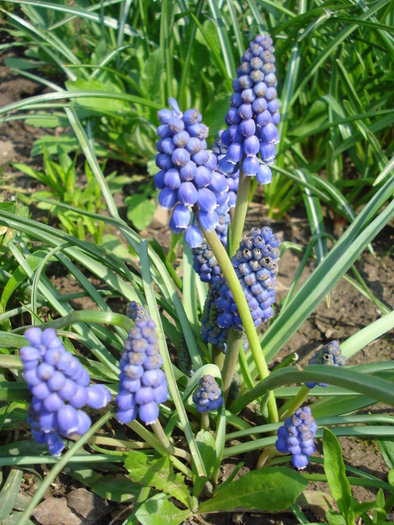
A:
(187, 177)
(256, 266)
(205, 264)
(59, 385)
(330, 355)
(296, 437)
(183, 357)
(207, 395)
(254, 114)
(142, 385)
(211, 332)
(220, 150)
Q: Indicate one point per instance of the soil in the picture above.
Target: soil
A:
(348, 313)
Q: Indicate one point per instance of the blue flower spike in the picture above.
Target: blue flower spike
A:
(296, 437)
(187, 177)
(59, 385)
(256, 266)
(254, 114)
(329, 355)
(211, 332)
(207, 395)
(142, 384)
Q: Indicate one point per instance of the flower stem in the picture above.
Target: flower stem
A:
(241, 207)
(205, 421)
(217, 357)
(244, 312)
(170, 449)
(231, 360)
(266, 456)
(291, 406)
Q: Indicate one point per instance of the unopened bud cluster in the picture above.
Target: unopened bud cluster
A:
(205, 264)
(330, 355)
(183, 357)
(254, 114)
(211, 332)
(142, 385)
(256, 266)
(207, 395)
(59, 385)
(296, 437)
(187, 177)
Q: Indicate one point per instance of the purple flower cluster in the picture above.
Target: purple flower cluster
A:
(296, 437)
(142, 385)
(205, 264)
(254, 114)
(187, 177)
(207, 395)
(59, 385)
(256, 266)
(330, 355)
(211, 332)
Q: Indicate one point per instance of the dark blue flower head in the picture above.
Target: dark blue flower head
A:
(211, 332)
(207, 395)
(254, 114)
(329, 355)
(296, 437)
(256, 266)
(59, 385)
(183, 357)
(142, 385)
(205, 264)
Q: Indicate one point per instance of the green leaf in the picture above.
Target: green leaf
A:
(159, 474)
(391, 477)
(140, 210)
(387, 449)
(116, 488)
(334, 518)
(19, 276)
(159, 510)
(9, 493)
(271, 489)
(151, 75)
(96, 85)
(334, 468)
(206, 445)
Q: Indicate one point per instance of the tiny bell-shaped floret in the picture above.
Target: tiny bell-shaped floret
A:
(142, 385)
(59, 385)
(296, 437)
(329, 355)
(207, 395)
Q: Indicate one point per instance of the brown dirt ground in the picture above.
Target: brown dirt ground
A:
(347, 314)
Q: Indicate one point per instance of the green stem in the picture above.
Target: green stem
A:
(243, 365)
(241, 207)
(205, 421)
(244, 312)
(217, 357)
(45, 484)
(231, 360)
(170, 449)
(292, 404)
(266, 456)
